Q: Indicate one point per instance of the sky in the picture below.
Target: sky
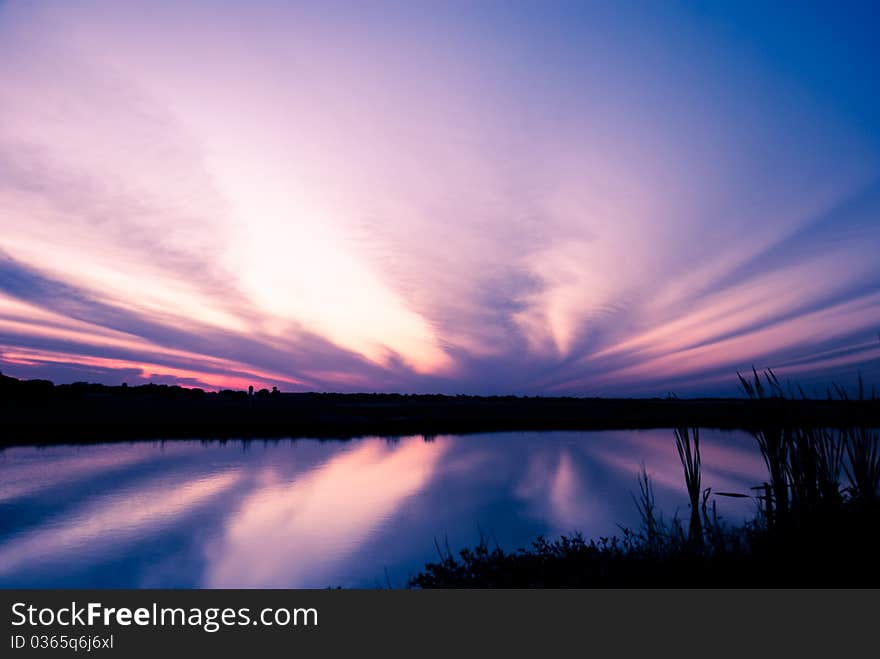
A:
(551, 198)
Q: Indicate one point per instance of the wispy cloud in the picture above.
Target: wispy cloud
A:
(429, 198)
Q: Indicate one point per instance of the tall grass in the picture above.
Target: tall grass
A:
(812, 527)
(862, 466)
(687, 442)
(805, 464)
(652, 524)
(805, 468)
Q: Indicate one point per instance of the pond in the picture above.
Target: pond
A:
(305, 513)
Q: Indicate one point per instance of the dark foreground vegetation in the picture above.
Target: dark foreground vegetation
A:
(36, 411)
(817, 523)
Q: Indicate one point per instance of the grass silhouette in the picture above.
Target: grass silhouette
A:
(815, 523)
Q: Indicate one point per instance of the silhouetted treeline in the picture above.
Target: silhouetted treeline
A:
(37, 410)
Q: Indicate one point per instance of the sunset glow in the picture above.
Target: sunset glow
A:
(457, 197)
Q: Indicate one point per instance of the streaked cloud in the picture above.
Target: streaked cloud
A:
(464, 198)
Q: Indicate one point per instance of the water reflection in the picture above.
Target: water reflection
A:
(300, 531)
(308, 513)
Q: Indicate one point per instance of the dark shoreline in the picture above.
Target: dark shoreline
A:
(36, 411)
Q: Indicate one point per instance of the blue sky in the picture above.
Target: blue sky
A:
(518, 197)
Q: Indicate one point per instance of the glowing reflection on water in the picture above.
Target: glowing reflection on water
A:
(307, 513)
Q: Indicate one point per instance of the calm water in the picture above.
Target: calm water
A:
(307, 513)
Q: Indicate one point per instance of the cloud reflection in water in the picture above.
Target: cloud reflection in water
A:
(308, 513)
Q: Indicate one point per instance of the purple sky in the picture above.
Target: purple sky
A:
(463, 197)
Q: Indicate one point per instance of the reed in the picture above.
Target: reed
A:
(862, 466)
(809, 529)
(651, 522)
(687, 443)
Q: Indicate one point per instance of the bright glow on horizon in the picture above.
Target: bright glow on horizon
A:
(438, 197)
